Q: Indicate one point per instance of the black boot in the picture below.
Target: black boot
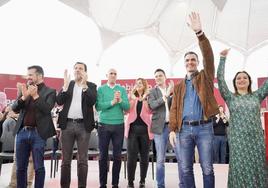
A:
(130, 184)
(142, 184)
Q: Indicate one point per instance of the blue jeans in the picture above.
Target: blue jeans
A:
(219, 147)
(116, 134)
(202, 137)
(161, 148)
(27, 141)
(177, 152)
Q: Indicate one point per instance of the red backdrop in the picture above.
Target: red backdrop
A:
(8, 84)
(129, 84)
(266, 132)
(264, 103)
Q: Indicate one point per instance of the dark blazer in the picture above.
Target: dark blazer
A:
(157, 105)
(88, 100)
(43, 106)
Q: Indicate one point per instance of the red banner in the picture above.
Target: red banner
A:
(266, 132)
(261, 81)
(129, 84)
(8, 89)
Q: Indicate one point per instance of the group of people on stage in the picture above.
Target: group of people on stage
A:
(181, 114)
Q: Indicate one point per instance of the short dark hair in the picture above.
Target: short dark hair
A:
(38, 69)
(189, 53)
(81, 63)
(250, 82)
(160, 70)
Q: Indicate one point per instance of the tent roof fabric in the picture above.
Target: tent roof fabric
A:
(237, 23)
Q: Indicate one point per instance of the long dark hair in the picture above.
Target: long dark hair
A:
(250, 82)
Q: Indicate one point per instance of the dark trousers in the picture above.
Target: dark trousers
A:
(219, 148)
(74, 132)
(137, 143)
(27, 141)
(116, 134)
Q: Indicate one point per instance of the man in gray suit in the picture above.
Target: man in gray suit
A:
(159, 101)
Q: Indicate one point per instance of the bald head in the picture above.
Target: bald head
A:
(111, 76)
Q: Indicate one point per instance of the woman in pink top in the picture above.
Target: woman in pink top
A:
(137, 131)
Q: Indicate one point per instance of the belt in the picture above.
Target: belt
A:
(196, 123)
(29, 128)
(75, 120)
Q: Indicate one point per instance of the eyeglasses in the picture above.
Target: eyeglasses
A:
(113, 73)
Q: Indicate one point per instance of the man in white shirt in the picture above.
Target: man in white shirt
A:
(76, 121)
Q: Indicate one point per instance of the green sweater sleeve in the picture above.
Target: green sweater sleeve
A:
(101, 104)
(111, 114)
(225, 92)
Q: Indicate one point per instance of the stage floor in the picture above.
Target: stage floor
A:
(221, 172)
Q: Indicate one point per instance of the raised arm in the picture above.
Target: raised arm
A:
(63, 94)
(225, 92)
(204, 44)
(262, 92)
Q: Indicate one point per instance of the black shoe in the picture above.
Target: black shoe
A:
(115, 186)
(142, 185)
(130, 184)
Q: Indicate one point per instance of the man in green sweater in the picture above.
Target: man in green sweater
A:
(111, 103)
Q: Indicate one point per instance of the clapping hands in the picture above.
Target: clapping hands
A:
(117, 97)
(66, 79)
(170, 88)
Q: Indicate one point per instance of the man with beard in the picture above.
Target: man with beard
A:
(34, 125)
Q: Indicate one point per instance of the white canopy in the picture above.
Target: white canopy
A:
(241, 23)
(142, 30)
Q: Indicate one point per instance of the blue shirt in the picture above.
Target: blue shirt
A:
(192, 108)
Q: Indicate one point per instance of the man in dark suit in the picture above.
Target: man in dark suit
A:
(76, 121)
(35, 125)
